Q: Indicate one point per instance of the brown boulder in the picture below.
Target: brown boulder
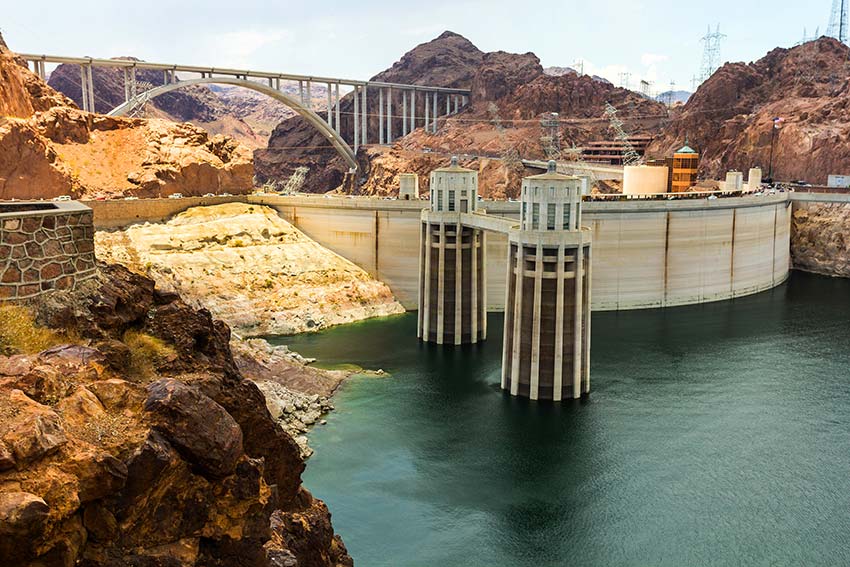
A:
(204, 433)
(22, 520)
(34, 431)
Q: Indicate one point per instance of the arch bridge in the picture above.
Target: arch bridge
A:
(419, 105)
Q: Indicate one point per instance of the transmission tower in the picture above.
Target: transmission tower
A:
(579, 66)
(711, 54)
(630, 156)
(838, 21)
(550, 123)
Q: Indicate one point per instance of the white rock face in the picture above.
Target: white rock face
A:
(250, 268)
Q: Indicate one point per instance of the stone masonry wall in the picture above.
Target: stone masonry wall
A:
(43, 250)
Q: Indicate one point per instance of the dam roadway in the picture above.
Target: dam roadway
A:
(647, 254)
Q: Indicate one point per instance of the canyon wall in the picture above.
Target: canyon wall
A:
(819, 236)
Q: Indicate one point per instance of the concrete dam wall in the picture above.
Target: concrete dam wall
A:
(646, 254)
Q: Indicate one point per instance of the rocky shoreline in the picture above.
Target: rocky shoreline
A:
(297, 395)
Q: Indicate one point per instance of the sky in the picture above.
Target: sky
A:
(655, 40)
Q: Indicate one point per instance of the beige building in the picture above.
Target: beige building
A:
(408, 186)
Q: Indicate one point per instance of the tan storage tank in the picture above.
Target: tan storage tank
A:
(644, 179)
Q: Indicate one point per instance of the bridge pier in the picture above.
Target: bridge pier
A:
(412, 110)
(389, 116)
(356, 121)
(330, 106)
(452, 283)
(403, 113)
(381, 117)
(434, 130)
(336, 120)
(364, 116)
(426, 126)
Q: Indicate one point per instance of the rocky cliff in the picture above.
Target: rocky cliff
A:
(48, 147)
(250, 268)
(510, 92)
(730, 117)
(244, 115)
(142, 444)
(819, 241)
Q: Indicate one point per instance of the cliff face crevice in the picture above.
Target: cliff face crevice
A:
(819, 241)
(142, 444)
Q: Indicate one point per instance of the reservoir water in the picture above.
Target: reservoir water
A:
(714, 435)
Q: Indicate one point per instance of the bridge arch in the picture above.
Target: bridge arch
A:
(339, 144)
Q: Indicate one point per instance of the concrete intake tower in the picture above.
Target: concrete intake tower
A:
(452, 287)
(546, 350)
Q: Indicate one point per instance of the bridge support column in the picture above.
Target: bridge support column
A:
(448, 105)
(413, 110)
(84, 87)
(452, 269)
(427, 125)
(390, 116)
(301, 92)
(336, 121)
(364, 116)
(434, 130)
(455, 97)
(126, 84)
(356, 121)
(381, 116)
(547, 311)
(403, 113)
(308, 101)
(330, 107)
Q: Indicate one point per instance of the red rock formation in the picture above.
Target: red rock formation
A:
(730, 117)
(509, 93)
(103, 464)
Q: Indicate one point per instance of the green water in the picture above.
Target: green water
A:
(714, 435)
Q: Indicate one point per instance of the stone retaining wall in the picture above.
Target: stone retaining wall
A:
(44, 246)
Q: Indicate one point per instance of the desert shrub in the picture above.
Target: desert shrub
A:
(147, 353)
(19, 333)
